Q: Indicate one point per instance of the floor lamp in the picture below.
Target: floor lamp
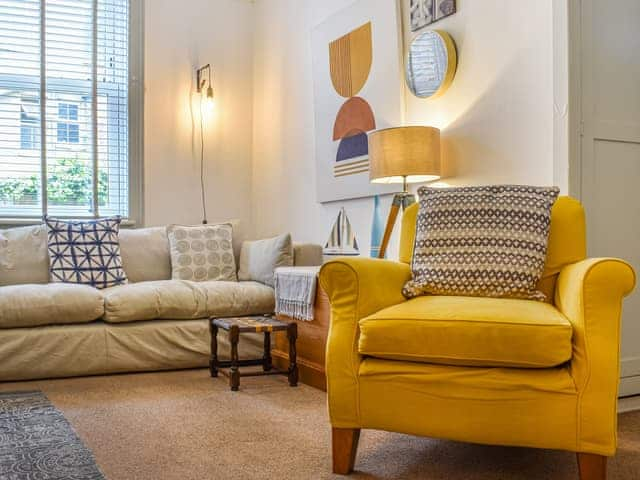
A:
(403, 155)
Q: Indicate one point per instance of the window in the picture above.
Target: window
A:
(29, 123)
(65, 99)
(68, 126)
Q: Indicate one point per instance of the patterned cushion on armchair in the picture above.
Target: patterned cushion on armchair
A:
(486, 241)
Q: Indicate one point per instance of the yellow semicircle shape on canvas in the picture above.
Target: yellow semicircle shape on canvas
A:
(350, 59)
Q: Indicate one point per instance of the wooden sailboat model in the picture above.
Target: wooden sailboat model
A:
(342, 239)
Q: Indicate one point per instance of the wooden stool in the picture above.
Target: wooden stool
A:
(253, 324)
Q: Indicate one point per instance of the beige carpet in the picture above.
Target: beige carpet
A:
(185, 425)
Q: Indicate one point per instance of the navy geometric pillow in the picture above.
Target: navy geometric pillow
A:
(85, 252)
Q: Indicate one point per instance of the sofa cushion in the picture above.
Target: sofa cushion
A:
(470, 331)
(202, 252)
(145, 254)
(85, 252)
(50, 304)
(485, 241)
(23, 256)
(260, 258)
(182, 299)
(307, 254)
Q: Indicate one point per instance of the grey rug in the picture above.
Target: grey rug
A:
(38, 443)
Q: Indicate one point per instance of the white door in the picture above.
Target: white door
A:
(610, 150)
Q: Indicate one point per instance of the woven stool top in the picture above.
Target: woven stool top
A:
(254, 323)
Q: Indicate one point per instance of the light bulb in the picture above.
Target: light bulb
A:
(209, 100)
(207, 105)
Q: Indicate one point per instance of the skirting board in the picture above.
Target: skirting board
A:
(630, 376)
(310, 373)
(629, 404)
(630, 367)
(629, 386)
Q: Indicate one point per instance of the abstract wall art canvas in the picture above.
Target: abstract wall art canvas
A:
(357, 89)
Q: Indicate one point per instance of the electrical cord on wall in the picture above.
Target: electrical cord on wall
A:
(204, 199)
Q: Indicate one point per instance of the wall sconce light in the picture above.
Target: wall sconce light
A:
(203, 79)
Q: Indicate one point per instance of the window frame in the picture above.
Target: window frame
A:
(136, 113)
(32, 125)
(135, 125)
(66, 122)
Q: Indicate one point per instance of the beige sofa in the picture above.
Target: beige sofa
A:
(153, 323)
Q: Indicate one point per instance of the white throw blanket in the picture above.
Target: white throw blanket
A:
(296, 291)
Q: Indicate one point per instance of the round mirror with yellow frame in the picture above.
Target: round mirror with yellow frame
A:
(431, 64)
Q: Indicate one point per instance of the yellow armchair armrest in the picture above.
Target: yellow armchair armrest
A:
(356, 287)
(590, 293)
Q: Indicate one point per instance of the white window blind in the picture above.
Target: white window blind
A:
(64, 120)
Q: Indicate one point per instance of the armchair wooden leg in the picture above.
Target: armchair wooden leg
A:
(592, 467)
(344, 443)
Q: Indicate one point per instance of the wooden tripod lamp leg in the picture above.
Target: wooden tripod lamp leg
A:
(391, 221)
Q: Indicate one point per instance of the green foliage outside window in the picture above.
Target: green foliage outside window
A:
(69, 183)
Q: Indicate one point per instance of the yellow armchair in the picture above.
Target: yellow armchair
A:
(475, 395)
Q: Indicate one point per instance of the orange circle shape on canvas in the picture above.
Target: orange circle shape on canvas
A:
(355, 116)
(350, 58)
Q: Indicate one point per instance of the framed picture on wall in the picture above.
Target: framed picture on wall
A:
(426, 12)
(444, 8)
(358, 88)
(421, 13)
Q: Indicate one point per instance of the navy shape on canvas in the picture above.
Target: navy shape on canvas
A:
(353, 147)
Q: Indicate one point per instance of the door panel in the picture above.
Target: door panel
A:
(616, 69)
(610, 151)
(614, 230)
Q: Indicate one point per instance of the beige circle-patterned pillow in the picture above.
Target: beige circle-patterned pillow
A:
(201, 253)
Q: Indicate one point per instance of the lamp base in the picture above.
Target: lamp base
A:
(400, 200)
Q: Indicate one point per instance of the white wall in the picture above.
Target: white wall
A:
(497, 118)
(180, 36)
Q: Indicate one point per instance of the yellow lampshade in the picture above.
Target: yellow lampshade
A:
(410, 154)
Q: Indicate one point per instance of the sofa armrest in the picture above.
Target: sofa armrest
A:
(307, 255)
(356, 288)
(589, 293)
